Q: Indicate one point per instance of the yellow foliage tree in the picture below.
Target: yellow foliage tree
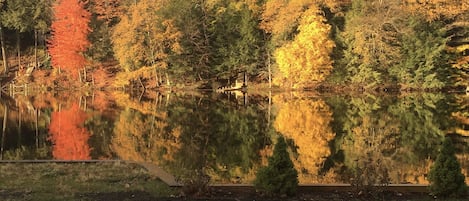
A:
(143, 38)
(281, 17)
(435, 9)
(307, 123)
(307, 58)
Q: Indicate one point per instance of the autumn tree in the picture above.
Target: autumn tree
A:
(307, 58)
(69, 36)
(68, 134)
(144, 39)
(107, 10)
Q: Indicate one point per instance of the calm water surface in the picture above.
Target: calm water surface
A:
(228, 137)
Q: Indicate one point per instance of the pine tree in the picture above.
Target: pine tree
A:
(445, 175)
(280, 176)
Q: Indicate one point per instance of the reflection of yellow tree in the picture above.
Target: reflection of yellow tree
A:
(307, 123)
(144, 138)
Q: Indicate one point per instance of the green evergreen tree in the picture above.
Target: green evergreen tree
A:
(280, 176)
(445, 175)
(237, 41)
(425, 62)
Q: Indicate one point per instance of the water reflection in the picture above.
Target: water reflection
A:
(306, 122)
(68, 135)
(332, 138)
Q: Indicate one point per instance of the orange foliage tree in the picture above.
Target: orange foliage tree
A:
(69, 36)
(68, 134)
(107, 9)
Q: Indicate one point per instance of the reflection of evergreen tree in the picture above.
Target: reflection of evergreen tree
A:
(101, 129)
(423, 119)
(399, 131)
(445, 175)
(280, 176)
(222, 140)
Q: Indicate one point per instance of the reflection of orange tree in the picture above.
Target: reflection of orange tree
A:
(307, 123)
(68, 134)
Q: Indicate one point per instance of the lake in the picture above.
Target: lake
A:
(332, 138)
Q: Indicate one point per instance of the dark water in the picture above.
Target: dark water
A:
(332, 138)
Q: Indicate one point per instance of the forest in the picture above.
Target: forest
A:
(292, 44)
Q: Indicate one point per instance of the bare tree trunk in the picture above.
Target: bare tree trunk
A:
(5, 115)
(36, 127)
(35, 49)
(141, 84)
(20, 127)
(167, 79)
(269, 108)
(269, 68)
(80, 77)
(157, 79)
(4, 55)
(84, 75)
(18, 47)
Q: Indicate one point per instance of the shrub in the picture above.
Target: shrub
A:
(445, 175)
(280, 176)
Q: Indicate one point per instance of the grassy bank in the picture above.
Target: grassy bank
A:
(79, 181)
(129, 181)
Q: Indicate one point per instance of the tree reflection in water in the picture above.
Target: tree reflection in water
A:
(68, 135)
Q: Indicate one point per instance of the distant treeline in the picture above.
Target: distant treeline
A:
(401, 44)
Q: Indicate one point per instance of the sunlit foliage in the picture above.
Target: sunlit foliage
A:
(69, 36)
(307, 58)
(143, 38)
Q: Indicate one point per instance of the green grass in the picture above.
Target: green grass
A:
(77, 181)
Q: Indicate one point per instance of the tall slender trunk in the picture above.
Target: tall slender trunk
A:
(18, 47)
(5, 117)
(269, 68)
(20, 128)
(36, 126)
(168, 82)
(4, 55)
(35, 49)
